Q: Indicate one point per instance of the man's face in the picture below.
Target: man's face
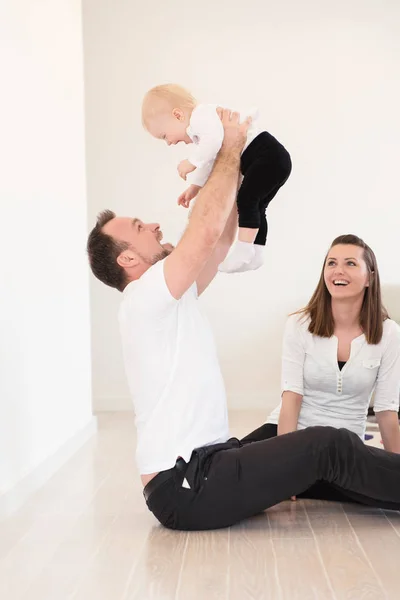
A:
(143, 239)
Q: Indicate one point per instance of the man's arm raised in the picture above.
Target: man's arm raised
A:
(211, 212)
(219, 253)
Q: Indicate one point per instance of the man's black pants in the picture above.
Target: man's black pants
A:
(236, 480)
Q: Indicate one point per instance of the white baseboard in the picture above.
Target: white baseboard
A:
(262, 401)
(14, 498)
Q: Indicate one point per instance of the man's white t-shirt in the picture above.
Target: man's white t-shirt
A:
(339, 398)
(173, 372)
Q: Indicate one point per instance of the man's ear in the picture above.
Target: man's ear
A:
(178, 114)
(127, 259)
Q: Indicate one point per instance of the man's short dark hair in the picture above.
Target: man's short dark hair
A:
(103, 251)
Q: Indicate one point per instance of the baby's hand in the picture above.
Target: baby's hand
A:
(184, 168)
(188, 195)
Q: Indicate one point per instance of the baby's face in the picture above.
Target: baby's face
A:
(170, 128)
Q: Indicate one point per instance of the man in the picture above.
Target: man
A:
(194, 476)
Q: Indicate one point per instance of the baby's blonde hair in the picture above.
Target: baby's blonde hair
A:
(165, 97)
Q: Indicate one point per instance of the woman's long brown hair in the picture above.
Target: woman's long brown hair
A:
(373, 313)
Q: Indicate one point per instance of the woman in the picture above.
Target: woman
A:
(339, 350)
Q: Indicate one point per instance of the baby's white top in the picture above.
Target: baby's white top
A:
(207, 133)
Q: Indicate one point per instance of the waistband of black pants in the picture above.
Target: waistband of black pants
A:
(162, 477)
(198, 460)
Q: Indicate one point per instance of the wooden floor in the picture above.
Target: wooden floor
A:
(87, 535)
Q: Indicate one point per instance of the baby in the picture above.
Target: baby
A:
(171, 113)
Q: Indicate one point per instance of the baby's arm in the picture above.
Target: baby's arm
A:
(206, 126)
(200, 176)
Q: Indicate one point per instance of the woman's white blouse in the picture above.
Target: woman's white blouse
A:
(339, 398)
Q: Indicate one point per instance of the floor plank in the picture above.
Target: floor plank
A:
(252, 562)
(348, 568)
(205, 569)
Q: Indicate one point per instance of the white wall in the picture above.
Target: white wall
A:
(45, 382)
(325, 76)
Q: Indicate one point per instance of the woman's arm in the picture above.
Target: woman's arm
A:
(289, 415)
(387, 391)
(388, 422)
(293, 355)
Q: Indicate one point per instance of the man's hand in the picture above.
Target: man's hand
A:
(234, 136)
(184, 168)
(188, 195)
